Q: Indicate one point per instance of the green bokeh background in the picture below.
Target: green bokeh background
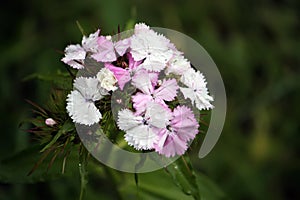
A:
(255, 44)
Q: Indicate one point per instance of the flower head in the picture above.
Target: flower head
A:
(80, 103)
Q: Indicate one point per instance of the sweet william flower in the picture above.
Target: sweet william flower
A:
(108, 51)
(150, 46)
(173, 139)
(140, 60)
(105, 51)
(150, 92)
(75, 54)
(196, 89)
(141, 130)
(80, 102)
(126, 71)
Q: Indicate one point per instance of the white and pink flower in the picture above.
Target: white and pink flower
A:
(150, 63)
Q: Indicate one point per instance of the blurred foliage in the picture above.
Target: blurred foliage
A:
(254, 43)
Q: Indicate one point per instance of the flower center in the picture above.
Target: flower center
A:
(122, 61)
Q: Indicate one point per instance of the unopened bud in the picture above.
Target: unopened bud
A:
(50, 122)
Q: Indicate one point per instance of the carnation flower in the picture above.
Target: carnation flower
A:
(150, 46)
(196, 89)
(75, 54)
(80, 103)
(126, 69)
(172, 139)
(107, 50)
(141, 129)
(166, 91)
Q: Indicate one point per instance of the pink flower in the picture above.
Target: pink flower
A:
(173, 139)
(108, 51)
(124, 75)
(165, 92)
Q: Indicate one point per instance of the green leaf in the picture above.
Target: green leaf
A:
(15, 168)
(59, 80)
(184, 177)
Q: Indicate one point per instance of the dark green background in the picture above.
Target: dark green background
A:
(255, 44)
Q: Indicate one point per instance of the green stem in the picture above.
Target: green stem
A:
(83, 156)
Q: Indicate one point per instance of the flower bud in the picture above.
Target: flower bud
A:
(50, 122)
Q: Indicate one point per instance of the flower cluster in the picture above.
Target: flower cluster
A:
(159, 72)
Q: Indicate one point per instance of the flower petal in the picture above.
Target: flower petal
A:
(157, 115)
(88, 87)
(121, 46)
(90, 43)
(178, 65)
(127, 120)
(141, 137)
(184, 123)
(81, 110)
(167, 91)
(74, 53)
(143, 81)
(140, 101)
(122, 75)
(106, 51)
(170, 144)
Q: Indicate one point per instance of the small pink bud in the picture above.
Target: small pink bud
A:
(119, 101)
(50, 122)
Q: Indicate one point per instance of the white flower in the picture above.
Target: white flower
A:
(80, 103)
(75, 54)
(107, 79)
(178, 65)
(197, 91)
(141, 131)
(149, 45)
